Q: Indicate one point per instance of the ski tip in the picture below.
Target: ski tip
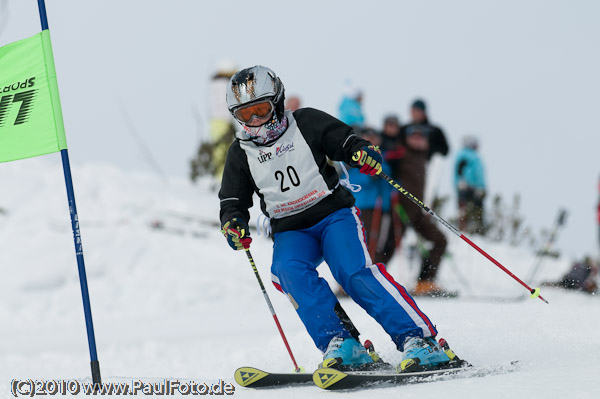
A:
(246, 376)
(325, 377)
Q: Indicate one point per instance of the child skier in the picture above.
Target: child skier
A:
(282, 156)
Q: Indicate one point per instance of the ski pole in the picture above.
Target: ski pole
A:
(264, 291)
(535, 292)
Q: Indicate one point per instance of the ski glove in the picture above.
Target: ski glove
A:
(237, 233)
(369, 159)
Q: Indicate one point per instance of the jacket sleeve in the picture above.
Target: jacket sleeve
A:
(237, 186)
(437, 143)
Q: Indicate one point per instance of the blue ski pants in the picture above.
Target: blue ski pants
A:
(339, 240)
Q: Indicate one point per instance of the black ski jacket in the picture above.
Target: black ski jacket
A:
(436, 137)
(327, 137)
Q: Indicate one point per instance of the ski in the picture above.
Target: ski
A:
(333, 379)
(251, 377)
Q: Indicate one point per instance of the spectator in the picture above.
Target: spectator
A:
(393, 151)
(350, 111)
(391, 147)
(581, 277)
(293, 103)
(422, 140)
(470, 187)
(210, 158)
(373, 200)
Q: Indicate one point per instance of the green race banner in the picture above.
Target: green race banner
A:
(31, 121)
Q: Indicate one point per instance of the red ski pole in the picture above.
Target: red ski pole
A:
(535, 292)
(264, 291)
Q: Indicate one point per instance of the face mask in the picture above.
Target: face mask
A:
(268, 132)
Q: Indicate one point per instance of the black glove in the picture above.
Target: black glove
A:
(237, 233)
(369, 159)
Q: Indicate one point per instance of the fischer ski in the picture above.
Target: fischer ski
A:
(251, 377)
(333, 379)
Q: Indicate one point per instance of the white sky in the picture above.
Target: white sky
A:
(522, 75)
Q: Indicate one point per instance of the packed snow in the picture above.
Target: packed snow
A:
(171, 300)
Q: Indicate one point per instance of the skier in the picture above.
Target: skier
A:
(282, 156)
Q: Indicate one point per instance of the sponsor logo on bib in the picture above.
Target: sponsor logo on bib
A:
(284, 149)
(264, 156)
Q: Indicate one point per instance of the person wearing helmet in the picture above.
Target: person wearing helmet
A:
(282, 156)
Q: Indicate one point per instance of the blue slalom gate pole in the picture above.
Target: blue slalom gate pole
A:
(81, 266)
(77, 240)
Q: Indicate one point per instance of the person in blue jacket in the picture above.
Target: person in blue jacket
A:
(374, 202)
(469, 182)
(350, 109)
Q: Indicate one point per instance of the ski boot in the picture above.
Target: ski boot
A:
(346, 354)
(422, 354)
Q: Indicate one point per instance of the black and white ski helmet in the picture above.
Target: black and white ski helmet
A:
(255, 84)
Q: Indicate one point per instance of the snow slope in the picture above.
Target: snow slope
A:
(176, 302)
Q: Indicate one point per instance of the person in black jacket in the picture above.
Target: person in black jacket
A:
(282, 156)
(391, 146)
(421, 140)
(393, 151)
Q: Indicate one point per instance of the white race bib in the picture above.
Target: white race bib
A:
(286, 173)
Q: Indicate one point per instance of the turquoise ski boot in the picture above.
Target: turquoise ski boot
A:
(346, 354)
(422, 354)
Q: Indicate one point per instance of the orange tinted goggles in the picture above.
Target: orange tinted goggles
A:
(260, 110)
